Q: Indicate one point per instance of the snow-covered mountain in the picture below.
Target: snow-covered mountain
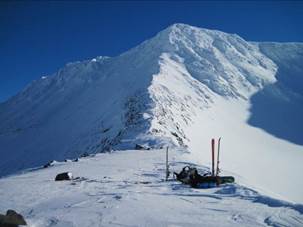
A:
(183, 87)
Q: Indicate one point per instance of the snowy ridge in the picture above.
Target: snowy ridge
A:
(183, 87)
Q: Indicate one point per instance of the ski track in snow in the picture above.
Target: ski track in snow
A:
(135, 194)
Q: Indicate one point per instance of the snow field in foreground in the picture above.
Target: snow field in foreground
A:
(127, 188)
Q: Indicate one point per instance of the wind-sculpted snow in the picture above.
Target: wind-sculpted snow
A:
(225, 63)
(181, 88)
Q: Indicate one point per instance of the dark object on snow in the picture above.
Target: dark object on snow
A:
(142, 182)
(11, 219)
(76, 160)
(85, 154)
(186, 175)
(49, 164)
(64, 176)
(141, 147)
(190, 175)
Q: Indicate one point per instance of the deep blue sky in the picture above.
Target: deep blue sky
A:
(37, 38)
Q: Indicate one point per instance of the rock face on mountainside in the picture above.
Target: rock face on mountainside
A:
(149, 95)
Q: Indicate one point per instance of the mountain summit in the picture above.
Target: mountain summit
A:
(178, 89)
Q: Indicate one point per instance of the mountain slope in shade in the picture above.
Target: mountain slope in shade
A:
(180, 88)
(278, 108)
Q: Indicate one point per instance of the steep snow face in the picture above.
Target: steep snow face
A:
(180, 88)
(197, 66)
(85, 107)
(225, 63)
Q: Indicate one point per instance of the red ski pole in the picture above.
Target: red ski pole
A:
(213, 156)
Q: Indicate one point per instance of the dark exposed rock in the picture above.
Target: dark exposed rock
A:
(105, 130)
(179, 139)
(141, 147)
(11, 219)
(50, 163)
(64, 176)
(85, 154)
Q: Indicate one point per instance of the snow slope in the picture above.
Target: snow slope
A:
(278, 108)
(135, 194)
(183, 87)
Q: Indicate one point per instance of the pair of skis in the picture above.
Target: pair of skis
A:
(213, 157)
(189, 175)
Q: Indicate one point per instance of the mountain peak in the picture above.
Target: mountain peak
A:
(184, 27)
(179, 26)
(212, 56)
(181, 29)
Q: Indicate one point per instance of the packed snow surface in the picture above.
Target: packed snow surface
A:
(181, 88)
(127, 188)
